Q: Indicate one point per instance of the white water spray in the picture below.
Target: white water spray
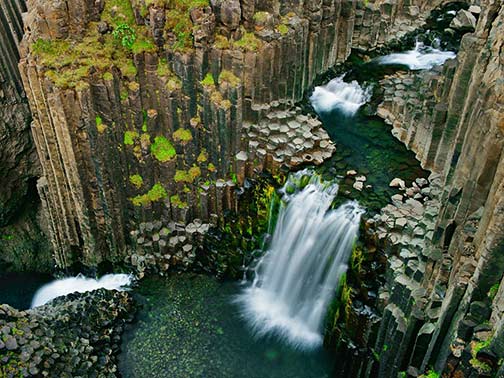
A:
(337, 94)
(79, 284)
(296, 278)
(420, 58)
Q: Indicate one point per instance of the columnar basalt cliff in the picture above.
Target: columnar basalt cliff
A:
(21, 240)
(443, 301)
(151, 116)
(149, 111)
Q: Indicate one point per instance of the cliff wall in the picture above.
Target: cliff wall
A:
(166, 127)
(443, 302)
(22, 244)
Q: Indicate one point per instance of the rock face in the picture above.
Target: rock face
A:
(443, 300)
(162, 129)
(22, 244)
(76, 335)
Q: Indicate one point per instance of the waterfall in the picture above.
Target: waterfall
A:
(81, 284)
(420, 58)
(296, 278)
(337, 94)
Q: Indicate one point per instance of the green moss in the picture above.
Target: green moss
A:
(283, 29)
(182, 135)
(136, 180)
(68, 62)
(162, 149)
(357, 259)
(208, 81)
(261, 16)
(493, 291)
(481, 366)
(229, 77)
(156, 193)
(203, 156)
(221, 42)
(129, 137)
(107, 76)
(248, 41)
(100, 126)
(431, 374)
(177, 202)
(145, 140)
(143, 44)
(211, 167)
(187, 176)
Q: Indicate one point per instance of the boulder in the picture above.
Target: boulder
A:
(228, 12)
(464, 20)
(397, 183)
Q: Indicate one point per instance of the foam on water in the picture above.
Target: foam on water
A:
(337, 94)
(420, 58)
(81, 284)
(297, 277)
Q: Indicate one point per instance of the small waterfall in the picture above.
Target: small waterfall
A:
(81, 284)
(337, 94)
(296, 278)
(420, 58)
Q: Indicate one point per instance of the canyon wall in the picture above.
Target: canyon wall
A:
(443, 302)
(22, 245)
(166, 126)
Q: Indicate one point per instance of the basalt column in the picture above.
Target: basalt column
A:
(21, 242)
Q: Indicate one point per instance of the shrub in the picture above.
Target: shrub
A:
(125, 34)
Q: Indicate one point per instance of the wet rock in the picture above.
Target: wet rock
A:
(11, 343)
(358, 185)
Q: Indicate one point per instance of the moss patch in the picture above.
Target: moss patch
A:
(156, 193)
(177, 202)
(130, 137)
(182, 135)
(248, 41)
(230, 78)
(283, 29)
(162, 149)
(68, 62)
(136, 180)
(188, 176)
(203, 156)
(208, 81)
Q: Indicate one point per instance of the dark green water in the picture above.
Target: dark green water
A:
(17, 289)
(365, 144)
(190, 328)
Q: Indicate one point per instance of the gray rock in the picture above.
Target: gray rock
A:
(11, 343)
(397, 183)
(464, 20)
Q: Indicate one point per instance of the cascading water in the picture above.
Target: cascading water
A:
(420, 58)
(337, 94)
(79, 284)
(296, 278)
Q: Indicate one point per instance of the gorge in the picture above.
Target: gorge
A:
(299, 189)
